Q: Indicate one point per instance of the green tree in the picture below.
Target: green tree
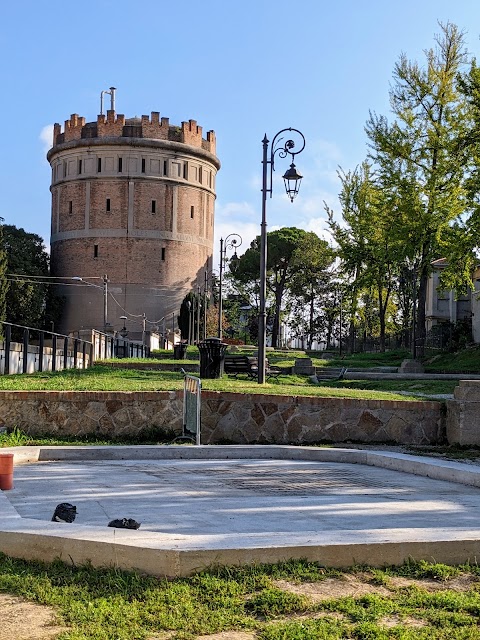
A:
(423, 150)
(27, 297)
(281, 247)
(311, 282)
(369, 251)
(4, 284)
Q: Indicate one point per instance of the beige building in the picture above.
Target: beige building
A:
(132, 199)
(445, 306)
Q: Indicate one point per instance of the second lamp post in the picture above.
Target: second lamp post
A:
(232, 241)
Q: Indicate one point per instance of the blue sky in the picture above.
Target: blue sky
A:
(241, 69)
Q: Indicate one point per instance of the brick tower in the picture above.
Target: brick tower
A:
(132, 199)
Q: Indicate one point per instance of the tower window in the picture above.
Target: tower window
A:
(143, 165)
(95, 250)
(79, 167)
(163, 253)
(99, 165)
(70, 206)
(200, 174)
(108, 205)
(64, 169)
(165, 168)
(120, 165)
(192, 211)
(185, 171)
(154, 206)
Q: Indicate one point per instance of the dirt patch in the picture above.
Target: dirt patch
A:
(229, 635)
(21, 620)
(358, 585)
(460, 583)
(333, 588)
(406, 621)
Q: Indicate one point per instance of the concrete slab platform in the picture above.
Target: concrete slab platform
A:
(239, 504)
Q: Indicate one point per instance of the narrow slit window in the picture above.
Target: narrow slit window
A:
(143, 165)
(200, 174)
(165, 168)
(64, 169)
(185, 171)
(154, 206)
(120, 165)
(70, 206)
(95, 250)
(192, 211)
(79, 167)
(108, 205)
(163, 253)
(99, 165)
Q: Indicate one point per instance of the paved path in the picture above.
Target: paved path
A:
(205, 497)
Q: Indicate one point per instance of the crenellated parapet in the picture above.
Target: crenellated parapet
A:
(149, 127)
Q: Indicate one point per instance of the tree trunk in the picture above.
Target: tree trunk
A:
(420, 325)
(276, 318)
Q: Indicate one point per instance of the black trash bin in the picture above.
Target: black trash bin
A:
(179, 351)
(212, 357)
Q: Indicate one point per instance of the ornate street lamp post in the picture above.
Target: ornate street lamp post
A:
(292, 181)
(232, 241)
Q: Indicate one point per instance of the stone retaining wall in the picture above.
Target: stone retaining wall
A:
(226, 417)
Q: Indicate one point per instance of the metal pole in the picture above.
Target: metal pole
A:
(341, 322)
(105, 303)
(205, 306)
(143, 331)
(220, 310)
(198, 313)
(262, 316)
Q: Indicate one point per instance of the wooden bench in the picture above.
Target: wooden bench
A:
(330, 373)
(236, 365)
(240, 365)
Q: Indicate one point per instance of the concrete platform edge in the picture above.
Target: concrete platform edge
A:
(165, 555)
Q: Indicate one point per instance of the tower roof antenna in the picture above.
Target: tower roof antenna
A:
(111, 93)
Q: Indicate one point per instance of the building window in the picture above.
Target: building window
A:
(120, 165)
(185, 171)
(64, 169)
(143, 165)
(192, 211)
(99, 165)
(165, 168)
(210, 179)
(200, 174)
(70, 206)
(108, 204)
(163, 253)
(95, 250)
(154, 206)
(79, 167)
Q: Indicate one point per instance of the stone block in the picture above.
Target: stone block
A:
(411, 366)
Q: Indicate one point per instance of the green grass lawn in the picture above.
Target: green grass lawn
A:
(105, 378)
(465, 361)
(416, 601)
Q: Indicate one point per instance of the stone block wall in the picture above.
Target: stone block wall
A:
(226, 417)
(266, 419)
(463, 414)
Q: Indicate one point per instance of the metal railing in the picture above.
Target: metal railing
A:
(30, 350)
(48, 352)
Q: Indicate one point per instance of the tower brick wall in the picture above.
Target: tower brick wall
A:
(132, 198)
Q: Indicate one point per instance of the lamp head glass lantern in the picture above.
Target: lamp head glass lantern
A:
(292, 180)
(234, 260)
